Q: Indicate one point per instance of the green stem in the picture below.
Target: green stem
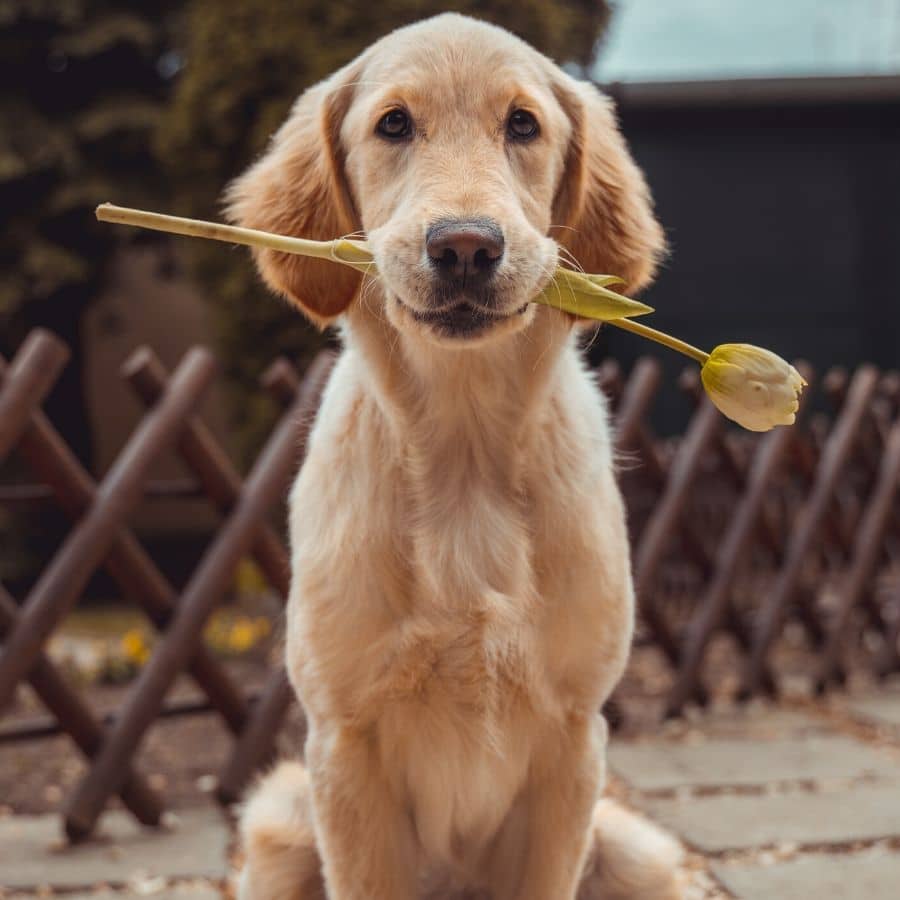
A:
(232, 234)
(121, 215)
(661, 338)
(358, 258)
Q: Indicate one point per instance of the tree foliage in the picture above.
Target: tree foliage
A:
(245, 62)
(83, 96)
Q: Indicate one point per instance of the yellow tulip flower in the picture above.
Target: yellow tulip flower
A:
(754, 387)
(584, 295)
(750, 385)
(135, 647)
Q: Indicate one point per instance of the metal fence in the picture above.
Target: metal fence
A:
(735, 536)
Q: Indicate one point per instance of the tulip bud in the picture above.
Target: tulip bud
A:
(752, 386)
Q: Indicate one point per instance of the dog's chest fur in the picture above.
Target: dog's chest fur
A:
(445, 601)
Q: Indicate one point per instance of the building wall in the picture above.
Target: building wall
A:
(143, 304)
(784, 230)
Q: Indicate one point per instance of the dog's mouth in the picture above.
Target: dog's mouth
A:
(461, 320)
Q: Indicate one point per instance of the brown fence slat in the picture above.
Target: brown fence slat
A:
(887, 660)
(32, 495)
(33, 372)
(212, 468)
(40, 727)
(802, 539)
(867, 551)
(223, 485)
(87, 544)
(631, 429)
(264, 487)
(660, 530)
(77, 721)
(255, 745)
(690, 382)
(637, 396)
(846, 463)
(611, 381)
(734, 549)
(128, 564)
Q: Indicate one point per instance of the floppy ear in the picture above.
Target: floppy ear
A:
(298, 188)
(603, 198)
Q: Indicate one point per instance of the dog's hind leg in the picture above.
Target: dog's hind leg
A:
(282, 862)
(630, 859)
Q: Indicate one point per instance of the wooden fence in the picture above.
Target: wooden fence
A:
(735, 536)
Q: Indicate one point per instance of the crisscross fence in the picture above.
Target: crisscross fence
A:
(736, 537)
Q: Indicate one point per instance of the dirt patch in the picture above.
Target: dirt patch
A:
(179, 756)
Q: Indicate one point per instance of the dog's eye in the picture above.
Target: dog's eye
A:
(395, 125)
(522, 125)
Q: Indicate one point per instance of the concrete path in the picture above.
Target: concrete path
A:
(778, 804)
(186, 860)
(799, 803)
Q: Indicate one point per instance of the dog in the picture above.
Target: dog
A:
(461, 602)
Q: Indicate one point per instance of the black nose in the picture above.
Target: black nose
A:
(465, 249)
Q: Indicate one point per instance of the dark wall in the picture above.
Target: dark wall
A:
(784, 227)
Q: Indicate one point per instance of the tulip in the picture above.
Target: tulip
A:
(585, 295)
(754, 387)
(750, 385)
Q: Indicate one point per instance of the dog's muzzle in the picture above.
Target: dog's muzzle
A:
(464, 253)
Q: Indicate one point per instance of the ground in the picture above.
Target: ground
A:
(774, 802)
(785, 802)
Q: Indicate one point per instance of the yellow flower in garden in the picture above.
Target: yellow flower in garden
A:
(135, 647)
(242, 636)
(754, 387)
(248, 579)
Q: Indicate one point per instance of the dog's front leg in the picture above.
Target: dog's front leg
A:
(564, 782)
(365, 836)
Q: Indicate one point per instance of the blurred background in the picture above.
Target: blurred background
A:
(769, 133)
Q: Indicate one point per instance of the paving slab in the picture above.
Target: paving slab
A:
(739, 821)
(882, 708)
(751, 721)
(865, 876)
(718, 762)
(32, 853)
(174, 892)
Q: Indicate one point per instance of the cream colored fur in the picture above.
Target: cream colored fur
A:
(461, 603)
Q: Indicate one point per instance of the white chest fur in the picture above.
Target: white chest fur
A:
(456, 592)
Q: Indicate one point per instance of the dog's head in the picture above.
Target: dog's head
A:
(468, 159)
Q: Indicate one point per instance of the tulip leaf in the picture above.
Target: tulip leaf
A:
(588, 296)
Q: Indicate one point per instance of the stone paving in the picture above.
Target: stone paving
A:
(783, 804)
(186, 860)
(862, 876)
(882, 708)
(772, 804)
(163, 891)
(725, 762)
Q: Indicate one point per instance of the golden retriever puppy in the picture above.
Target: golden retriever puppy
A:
(461, 602)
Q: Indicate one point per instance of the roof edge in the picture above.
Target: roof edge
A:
(799, 91)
